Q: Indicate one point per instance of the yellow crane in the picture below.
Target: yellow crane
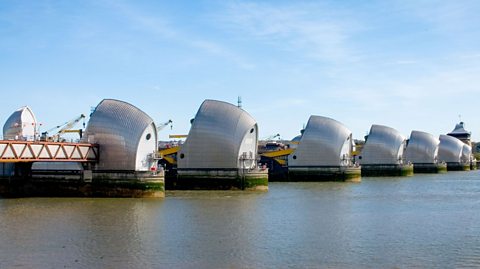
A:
(64, 128)
(168, 154)
(279, 155)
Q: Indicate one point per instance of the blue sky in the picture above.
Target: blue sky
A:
(407, 64)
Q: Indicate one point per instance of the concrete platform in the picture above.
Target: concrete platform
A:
(387, 170)
(473, 165)
(219, 179)
(458, 167)
(427, 168)
(80, 184)
(319, 174)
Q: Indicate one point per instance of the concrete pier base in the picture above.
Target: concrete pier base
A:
(315, 173)
(276, 171)
(429, 168)
(219, 179)
(387, 170)
(473, 165)
(85, 184)
(458, 166)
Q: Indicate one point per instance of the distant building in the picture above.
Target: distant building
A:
(476, 147)
(462, 134)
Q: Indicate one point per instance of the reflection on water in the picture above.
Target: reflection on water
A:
(421, 221)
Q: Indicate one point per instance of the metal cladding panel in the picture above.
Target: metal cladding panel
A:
(466, 153)
(322, 143)
(384, 145)
(422, 148)
(216, 136)
(20, 125)
(297, 138)
(450, 149)
(117, 127)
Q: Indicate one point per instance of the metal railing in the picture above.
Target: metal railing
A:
(36, 151)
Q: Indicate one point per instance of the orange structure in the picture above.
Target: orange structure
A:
(38, 151)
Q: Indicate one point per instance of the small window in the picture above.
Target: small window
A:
(294, 157)
(251, 130)
(182, 156)
(148, 136)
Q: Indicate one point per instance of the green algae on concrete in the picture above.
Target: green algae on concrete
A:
(254, 182)
(48, 186)
(429, 168)
(153, 188)
(442, 168)
(218, 179)
(458, 167)
(473, 165)
(318, 174)
(387, 170)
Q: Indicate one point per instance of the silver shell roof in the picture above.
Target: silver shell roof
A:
(422, 148)
(323, 143)
(466, 153)
(20, 125)
(297, 138)
(118, 127)
(216, 136)
(450, 149)
(384, 145)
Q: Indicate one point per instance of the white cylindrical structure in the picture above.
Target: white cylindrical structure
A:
(21, 125)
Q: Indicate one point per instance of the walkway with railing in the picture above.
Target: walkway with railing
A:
(38, 151)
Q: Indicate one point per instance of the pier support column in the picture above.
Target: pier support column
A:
(23, 171)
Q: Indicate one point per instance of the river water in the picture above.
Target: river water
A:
(425, 221)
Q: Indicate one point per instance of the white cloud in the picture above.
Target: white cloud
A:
(162, 27)
(276, 104)
(451, 18)
(216, 49)
(310, 30)
(403, 62)
(470, 56)
(154, 24)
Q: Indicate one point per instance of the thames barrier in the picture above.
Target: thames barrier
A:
(118, 154)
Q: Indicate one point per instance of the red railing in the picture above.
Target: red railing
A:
(36, 151)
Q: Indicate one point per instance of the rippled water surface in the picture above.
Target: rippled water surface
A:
(425, 221)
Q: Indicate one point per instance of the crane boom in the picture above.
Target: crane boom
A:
(272, 137)
(160, 126)
(69, 124)
(64, 128)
